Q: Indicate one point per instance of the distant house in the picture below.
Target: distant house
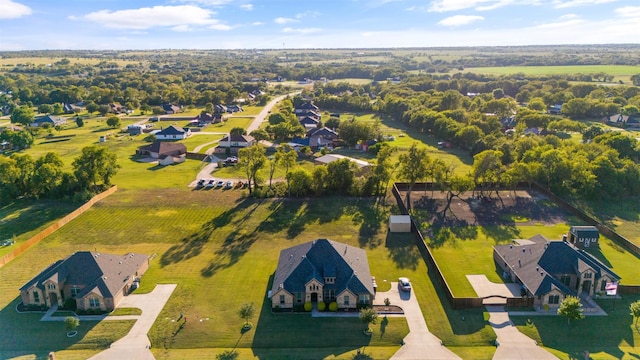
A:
(321, 137)
(48, 119)
(555, 109)
(549, 271)
(322, 271)
(508, 122)
(584, 236)
(173, 132)
(135, 129)
(307, 106)
(234, 108)
(309, 122)
(363, 166)
(96, 281)
(167, 153)
(533, 131)
(71, 108)
(171, 109)
(117, 108)
(206, 118)
(308, 113)
(234, 143)
(219, 109)
(622, 121)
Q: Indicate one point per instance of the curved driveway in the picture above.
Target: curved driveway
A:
(420, 343)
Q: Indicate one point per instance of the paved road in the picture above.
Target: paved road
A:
(420, 343)
(255, 124)
(513, 345)
(135, 345)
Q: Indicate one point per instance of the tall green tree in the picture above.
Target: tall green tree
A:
(413, 167)
(113, 122)
(634, 309)
(383, 169)
(22, 115)
(246, 312)
(571, 308)
(368, 316)
(286, 157)
(96, 164)
(300, 182)
(251, 160)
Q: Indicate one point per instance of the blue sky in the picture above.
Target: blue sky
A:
(234, 24)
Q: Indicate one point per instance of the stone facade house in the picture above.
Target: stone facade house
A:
(551, 270)
(322, 270)
(96, 281)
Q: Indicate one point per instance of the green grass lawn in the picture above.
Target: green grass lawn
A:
(622, 215)
(621, 72)
(605, 337)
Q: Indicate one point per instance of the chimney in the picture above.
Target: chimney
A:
(519, 263)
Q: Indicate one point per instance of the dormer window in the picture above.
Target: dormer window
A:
(329, 280)
(51, 286)
(588, 275)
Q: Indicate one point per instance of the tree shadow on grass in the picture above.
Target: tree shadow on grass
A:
(192, 244)
(402, 250)
(25, 335)
(370, 219)
(502, 233)
(233, 248)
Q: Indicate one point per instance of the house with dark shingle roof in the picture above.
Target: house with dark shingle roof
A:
(233, 143)
(322, 270)
(307, 106)
(584, 236)
(549, 271)
(96, 281)
(167, 153)
(173, 132)
(171, 109)
(48, 119)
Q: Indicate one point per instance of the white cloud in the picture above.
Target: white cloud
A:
(628, 11)
(479, 5)
(560, 4)
(459, 20)
(563, 21)
(182, 28)
(247, 7)
(219, 26)
(284, 20)
(204, 2)
(301, 31)
(257, 23)
(158, 16)
(13, 10)
(310, 14)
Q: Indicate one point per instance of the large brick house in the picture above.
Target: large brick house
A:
(551, 270)
(322, 270)
(96, 281)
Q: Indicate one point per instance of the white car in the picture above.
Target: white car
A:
(211, 183)
(229, 184)
(220, 183)
(404, 284)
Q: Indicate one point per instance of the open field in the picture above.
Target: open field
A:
(605, 337)
(9, 63)
(620, 72)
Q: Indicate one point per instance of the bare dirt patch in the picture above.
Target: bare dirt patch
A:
(521, 207)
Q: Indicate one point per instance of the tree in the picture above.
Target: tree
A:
(634, 308)
(276, 118)
(93, 165)
(238, 131)
(635, 79)
(368, 316)
(413, 167)
(45, 109)
(104, 109)
(57, 109)
(246, 312)
(286, 157)
(92, 107)
(113, 122)
(71, 323)
(79, 121)
(22, 115)
(340, 176)
(383, 169)
(252, 159)
(571, 308)
(300, 182)
(260, 134)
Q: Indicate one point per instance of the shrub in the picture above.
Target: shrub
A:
(387, 302)
(307, 306)
(70, 304)
(321, 306)
(333, 306)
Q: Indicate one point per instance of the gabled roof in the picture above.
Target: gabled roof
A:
(239, 138)
(585, 231)
(322, 132)
(105, 273)
(204, 117)
(170, 107)
(538, 261)
(307, 120)
(307, 106)
(328, 158)
(323, 258)
(55, 120)
(163, 147)
(171, 130)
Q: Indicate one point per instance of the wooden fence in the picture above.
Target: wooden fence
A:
(55, 226)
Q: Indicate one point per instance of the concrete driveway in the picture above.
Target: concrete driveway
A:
(420, 343)
(512, 344)
(135, 345)
(484, 288)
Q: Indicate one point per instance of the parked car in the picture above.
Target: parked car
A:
(201, 182)
(404, 284)
(229, 185)
(211, 183)
(220, 183)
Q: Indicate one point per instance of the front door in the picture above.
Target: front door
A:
(314, 297)
(53, 297)
(586, 286)
(586, 242)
